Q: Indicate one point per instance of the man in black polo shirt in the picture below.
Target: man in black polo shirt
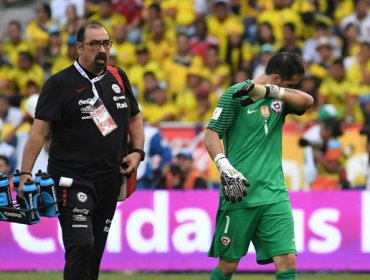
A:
(90, 114)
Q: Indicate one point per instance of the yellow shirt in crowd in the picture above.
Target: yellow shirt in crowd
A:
(38, 34)
(336, 93)
(136, 74)
(12, 50)
(154, 113)
(221, 30)
(277, 19)
(20, 78)
(61, 63)
(176, 73)
(126, 54)
(109, 23)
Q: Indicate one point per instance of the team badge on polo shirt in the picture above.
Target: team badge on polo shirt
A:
(277, 106)
(116, 88)
(81, 196)
(225, 240)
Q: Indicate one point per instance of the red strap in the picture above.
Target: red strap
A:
(115, 73)
(131, 182)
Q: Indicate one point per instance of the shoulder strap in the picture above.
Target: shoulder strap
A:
(114, 71)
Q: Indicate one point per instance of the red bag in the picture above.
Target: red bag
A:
(128, 186)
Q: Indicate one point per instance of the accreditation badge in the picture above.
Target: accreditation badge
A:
(102, 119)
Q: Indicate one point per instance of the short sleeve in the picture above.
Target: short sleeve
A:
(226, 110)
(134, 105)
(49, 104)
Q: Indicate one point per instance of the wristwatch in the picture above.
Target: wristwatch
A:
(141, 152)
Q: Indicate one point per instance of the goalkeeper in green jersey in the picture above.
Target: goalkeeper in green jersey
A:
(254, 204)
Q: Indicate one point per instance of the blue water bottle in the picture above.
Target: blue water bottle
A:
(48, 197)
(16, 180)
(30, 193)
(5, 195)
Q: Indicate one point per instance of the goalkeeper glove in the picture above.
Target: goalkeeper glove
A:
(273, 91)
(244, 90)
(233, 183)
(257, 92)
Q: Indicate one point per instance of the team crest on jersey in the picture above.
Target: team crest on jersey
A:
(116, 88)
(265, 111)
(225, 240)
(277, 106)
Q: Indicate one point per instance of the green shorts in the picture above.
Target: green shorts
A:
(269, 227)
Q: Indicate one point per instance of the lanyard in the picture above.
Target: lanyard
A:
(92, 81)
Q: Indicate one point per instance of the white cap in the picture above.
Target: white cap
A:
(65, 182)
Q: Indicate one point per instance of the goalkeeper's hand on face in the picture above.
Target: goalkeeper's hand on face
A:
(233, 183)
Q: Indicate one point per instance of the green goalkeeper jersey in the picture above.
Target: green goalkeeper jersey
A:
(252, 139)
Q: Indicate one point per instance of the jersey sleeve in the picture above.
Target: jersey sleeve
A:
(134, 105)
(289, 110)
(226, 110)
(49, 104)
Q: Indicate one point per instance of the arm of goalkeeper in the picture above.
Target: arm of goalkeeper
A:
(256, 92)
(233, 183)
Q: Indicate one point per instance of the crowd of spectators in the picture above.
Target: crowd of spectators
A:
(180, 57)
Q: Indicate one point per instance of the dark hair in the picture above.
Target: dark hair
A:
(220, 4)
(290, 26)
(47, 9)
(321, 25)
(156, 7)
(214, 47)
(149, 73)
(285, 64)
(82, 30)
(272, 38)
(334, 125)
(17, 23)
(27, 55)
(307, 18)
(338, 61)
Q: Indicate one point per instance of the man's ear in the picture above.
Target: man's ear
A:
(80, 47)
(276, 79)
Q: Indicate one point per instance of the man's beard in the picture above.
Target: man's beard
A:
(99, 65)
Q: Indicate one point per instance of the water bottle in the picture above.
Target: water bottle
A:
(16, 180)
(48, 196)
(38, 178)
(5, 195)
(30, 193)
(37, 181)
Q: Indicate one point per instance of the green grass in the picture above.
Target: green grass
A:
(182, 276)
